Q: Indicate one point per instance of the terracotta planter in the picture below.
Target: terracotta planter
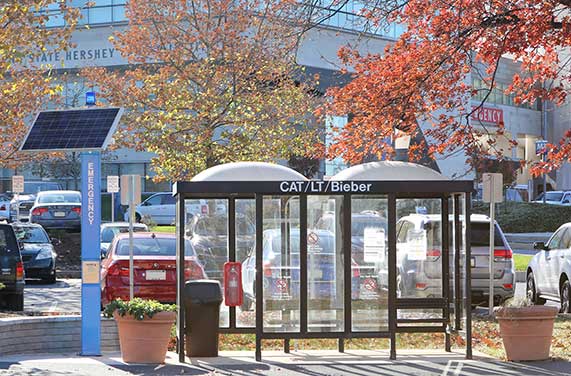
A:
(144, 341)
(527, 331)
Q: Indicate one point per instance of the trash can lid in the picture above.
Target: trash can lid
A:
(202, 291)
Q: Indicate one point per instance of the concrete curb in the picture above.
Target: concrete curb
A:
(520, 276)
(72, 274)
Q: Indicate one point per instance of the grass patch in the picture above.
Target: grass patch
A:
(521, 262)
(485, 331)
(164, 229)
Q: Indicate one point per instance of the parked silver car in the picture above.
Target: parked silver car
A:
(555, 198)
(57, 210)
(549, 270)
(419, 263)
(109, 230)
(160, 209)
(24, 201)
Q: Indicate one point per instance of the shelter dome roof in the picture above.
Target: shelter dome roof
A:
(389, 170)
(248, 171)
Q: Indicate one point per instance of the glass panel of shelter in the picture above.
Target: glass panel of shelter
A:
(419, 255)
(369, 259)
(325, 264)
(281, 264)
(206, 227)
(245, 230)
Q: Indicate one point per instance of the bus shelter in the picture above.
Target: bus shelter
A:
(379, 249)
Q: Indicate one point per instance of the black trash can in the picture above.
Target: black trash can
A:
(202, 299)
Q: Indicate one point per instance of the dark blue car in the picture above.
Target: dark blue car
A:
(37, 251)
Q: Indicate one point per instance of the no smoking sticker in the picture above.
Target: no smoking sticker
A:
(312, 238)
(370, 284)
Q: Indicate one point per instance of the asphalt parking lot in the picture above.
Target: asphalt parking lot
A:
(62, 296)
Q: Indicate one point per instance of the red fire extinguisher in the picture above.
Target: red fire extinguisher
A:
(233, 293)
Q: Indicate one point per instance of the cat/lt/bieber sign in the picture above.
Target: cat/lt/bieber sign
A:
(492, 193)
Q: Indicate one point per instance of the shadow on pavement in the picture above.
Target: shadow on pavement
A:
(376, 363)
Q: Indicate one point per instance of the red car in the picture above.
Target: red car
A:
(154, 270)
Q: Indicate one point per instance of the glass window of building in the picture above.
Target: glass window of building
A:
(497, 95)
(348, 16)
(332, 125)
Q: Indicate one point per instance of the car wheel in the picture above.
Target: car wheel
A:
(565, 292)
(16, 302)
(51, 279)
(531, 290)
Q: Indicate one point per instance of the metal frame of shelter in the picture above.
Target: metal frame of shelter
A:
(458, 193)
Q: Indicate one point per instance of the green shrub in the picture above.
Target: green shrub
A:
(527, 216)
(138, 308)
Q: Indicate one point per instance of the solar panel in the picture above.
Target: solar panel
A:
(85, 129)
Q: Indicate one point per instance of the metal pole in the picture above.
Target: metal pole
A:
(180, 226)
(492, 228)
(112, 207)
(544, 180)
(544, 135)
(18, 208)
(131, 218)
(468, 280)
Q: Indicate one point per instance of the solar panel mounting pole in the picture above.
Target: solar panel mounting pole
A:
(90, 253)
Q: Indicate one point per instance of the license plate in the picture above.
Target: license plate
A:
(472, 262)
(156, 275)
(59, 214)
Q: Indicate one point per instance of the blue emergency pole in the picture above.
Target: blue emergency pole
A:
(90, 253)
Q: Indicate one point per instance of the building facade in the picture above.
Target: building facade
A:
(318, 53)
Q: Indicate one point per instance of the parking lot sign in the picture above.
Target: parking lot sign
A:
(113, 184)
(131, 192)
(492, 187)
(540, 146)
(18, 184)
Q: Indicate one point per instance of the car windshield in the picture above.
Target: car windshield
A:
(551, 196)
(60, 198)
(218, 226)
(149, 246)
(480, 235)
(31, 187)
(109, 233)
(358, 226)
(29, 234)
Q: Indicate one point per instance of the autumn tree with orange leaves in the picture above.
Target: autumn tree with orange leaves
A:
(210, 82)
(26, 87)
(423, 77)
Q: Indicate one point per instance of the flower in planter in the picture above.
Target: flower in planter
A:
(137, 307)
